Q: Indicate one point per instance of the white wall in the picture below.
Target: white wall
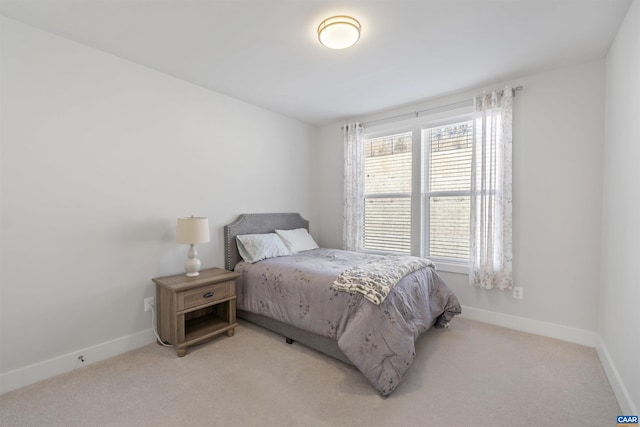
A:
(558, 136)
(99, 158)
(620, 286)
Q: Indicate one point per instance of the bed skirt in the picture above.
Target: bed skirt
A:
(317, 342)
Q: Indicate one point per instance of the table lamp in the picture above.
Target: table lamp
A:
(192, 230)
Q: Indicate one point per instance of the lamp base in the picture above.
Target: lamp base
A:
(192, 265)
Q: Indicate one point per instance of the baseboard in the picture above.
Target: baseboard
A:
(49, 368)
(627, 406)
(564, 333)
(538, 327)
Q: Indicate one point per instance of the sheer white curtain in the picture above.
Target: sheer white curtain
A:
(353, 217)
(491, 254)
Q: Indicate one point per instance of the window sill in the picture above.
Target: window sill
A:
(450, 267)
(441, 265)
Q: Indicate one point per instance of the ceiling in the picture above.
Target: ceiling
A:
(266, 52)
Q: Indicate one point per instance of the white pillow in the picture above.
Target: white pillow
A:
(256, 247)
(297, 240)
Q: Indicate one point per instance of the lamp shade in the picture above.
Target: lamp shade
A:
(339, 32)
(192, 230)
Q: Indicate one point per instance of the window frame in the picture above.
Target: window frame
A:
(419, 228)
(452, 264)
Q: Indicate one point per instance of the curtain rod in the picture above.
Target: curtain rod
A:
(439, 107)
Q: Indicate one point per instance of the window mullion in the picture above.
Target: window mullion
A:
(416, 187)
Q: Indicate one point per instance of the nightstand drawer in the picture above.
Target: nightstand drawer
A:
(207, 294)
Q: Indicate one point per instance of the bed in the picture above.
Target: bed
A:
(295, 296)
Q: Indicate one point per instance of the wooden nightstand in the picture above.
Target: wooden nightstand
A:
(194, 309)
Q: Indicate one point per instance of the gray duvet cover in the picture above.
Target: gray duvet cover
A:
(377, 339)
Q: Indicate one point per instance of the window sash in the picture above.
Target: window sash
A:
(448, 241)
(387, 228)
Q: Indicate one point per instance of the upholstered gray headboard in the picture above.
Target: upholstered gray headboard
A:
(256, 224)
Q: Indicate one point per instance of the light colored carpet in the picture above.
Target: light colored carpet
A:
(471, 374)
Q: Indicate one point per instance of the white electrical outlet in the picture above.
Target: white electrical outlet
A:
(518, 292)
(148, 302)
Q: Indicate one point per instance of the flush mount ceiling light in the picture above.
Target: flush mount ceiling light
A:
(339, 32)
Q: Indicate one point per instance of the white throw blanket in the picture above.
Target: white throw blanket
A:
(375, 279)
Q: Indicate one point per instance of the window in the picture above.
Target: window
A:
(417, 190)
(387, 188)
(446, 190)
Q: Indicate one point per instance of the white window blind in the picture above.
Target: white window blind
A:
(446, 189)
(388, 193)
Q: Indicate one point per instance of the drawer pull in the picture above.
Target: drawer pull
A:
(207, 295)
